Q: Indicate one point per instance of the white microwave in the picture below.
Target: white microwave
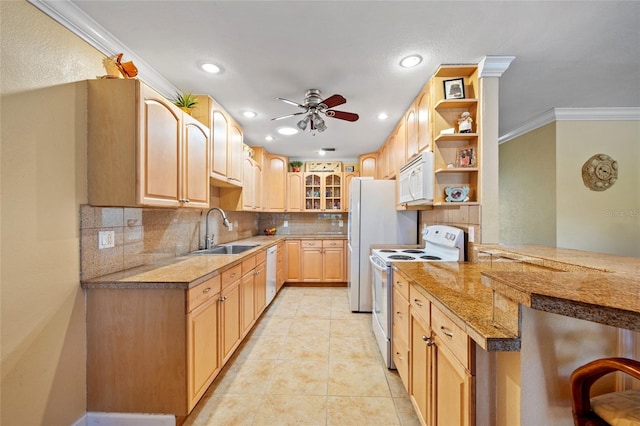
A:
(416, 180)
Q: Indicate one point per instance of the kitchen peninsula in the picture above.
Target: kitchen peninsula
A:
(499, 303)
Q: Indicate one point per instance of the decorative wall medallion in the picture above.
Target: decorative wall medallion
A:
(599, 172)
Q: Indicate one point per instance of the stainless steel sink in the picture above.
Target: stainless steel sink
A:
(227, 249)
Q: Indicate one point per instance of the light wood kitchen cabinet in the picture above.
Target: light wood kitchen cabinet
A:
(247, 291)
(230, 312)
(275, 183)
(249, 196)
(423, 111)
(383, 159)
(455, 154)
(140, 153)
(293, 260)
(135, 333)
(323, 191)
(411, 132)
(322, 261)
(312, 260)
(368, 164)
(333, 261)
(401, 323)
(226, 142)
(441, 366)
(235, 153)
(295, 191)
(398, 156)
(203, 362)
(260, 295)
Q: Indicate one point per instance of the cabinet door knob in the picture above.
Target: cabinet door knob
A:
(428, 341)
(417, 302)
(223, 298)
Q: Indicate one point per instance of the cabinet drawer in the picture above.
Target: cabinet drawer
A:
(452, 336)
(202, 292)
(311, 243)
(231, 275)
(400, 317)
(248, 264)
(400, 284)
(332, 243)
(261, 257)
(420, 305)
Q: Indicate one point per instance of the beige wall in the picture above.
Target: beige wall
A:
(43, 183)
(528, 188)
(601, 221)
(544, 201)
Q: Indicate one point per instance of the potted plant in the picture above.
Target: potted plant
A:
(295, 165)
(186, 101)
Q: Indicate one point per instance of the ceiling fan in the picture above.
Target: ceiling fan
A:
(313, 106)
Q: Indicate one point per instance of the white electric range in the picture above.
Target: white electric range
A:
(442, 244)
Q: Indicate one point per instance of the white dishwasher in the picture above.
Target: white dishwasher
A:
(272, 252)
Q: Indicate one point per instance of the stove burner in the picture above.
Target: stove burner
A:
(387, 251)
(400, 257)
(416, 251)
(427, 257)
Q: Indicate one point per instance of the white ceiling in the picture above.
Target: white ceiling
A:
(567, 54)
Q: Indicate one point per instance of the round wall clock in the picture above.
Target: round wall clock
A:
(600, 172)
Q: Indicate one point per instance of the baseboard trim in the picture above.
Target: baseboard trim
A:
(94, 418)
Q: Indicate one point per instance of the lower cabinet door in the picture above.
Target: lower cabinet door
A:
(230, 315)
(202, 349)
(420, 384)
(453, 388)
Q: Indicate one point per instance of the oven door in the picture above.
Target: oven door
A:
(381, 313)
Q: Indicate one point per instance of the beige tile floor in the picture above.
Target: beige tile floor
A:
(309, 361)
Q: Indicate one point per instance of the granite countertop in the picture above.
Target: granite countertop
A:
(486, 302)
(191, 269)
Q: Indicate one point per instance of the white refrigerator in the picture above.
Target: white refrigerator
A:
(373, 219)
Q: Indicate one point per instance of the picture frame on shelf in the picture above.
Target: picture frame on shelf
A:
(466, 157)
(454, 88)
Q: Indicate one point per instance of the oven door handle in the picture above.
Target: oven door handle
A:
(375, 264)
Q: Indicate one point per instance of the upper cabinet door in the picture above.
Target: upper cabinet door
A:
(196, 163)
(161, 136)
(423, 108)
(412, 133)
(275, 183)
(219, 140)
(234, 159)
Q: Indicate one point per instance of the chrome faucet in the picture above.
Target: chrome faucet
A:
(208, 240)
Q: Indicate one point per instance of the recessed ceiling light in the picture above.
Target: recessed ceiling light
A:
(287, 131)
(382, 116)
(321, 152)
(411, 61)
(211, 68)
(268, 138)
(249, 114)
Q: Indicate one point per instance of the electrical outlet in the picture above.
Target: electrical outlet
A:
(340, 223)
(285, 224)
(471, 234)
(230, 226)
(106, 239)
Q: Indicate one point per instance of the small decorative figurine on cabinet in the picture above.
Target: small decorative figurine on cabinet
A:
(464, 123)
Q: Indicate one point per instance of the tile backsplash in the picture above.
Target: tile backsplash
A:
(305, 223)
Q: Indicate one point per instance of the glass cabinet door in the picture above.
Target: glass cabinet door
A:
(312, 192)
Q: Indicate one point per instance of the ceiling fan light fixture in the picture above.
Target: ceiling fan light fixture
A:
(410, 61)
(211, 68)
(302, 124)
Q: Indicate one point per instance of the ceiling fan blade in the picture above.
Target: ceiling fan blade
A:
(287, 116)
(291, 102)
(342, 115)
(334, 100)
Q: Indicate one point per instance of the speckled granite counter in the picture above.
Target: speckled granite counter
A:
(191, 269)
(484, 297)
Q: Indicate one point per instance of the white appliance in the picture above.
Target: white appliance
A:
(272, 253)
(442, 244)
(373, 219)
(416, 180)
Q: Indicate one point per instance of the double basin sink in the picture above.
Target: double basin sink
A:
(227, 249)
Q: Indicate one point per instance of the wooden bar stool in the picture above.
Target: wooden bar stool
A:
(615, 408)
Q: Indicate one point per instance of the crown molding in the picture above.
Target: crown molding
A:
(75, 20)
(494, 66)
(573, 114)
